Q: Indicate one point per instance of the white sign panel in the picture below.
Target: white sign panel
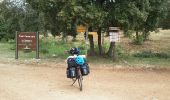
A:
(114, 36)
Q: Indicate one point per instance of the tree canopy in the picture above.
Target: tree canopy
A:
(63, 16)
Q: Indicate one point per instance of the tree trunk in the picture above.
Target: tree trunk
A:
(64, 36)
(91, 51)
(100, 42)
(126, 33)
(145, 35)
(45, 33)
(137, 36)
(114, 52)
(125, 30)
(111, 52)
(53, 24)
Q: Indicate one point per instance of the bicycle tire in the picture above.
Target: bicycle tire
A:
(80, 82)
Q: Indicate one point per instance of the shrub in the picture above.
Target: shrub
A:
(11, 41)
(3, 40)
(162, 55)
(150, 54)
(44, 51)
(120, 51)
(138, 41)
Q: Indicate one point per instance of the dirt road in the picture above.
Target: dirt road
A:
(38, 82)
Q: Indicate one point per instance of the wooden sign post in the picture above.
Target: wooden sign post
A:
(27, 42)
(114, 34)
(114, 37)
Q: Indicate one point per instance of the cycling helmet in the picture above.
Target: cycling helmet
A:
(79, 60)
(74, 51)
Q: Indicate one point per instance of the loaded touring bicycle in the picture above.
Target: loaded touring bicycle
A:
(77, 67)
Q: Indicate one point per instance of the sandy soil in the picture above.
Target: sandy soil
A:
(40, 82)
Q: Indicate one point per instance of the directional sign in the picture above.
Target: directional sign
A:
(92, 33)
(81, 29)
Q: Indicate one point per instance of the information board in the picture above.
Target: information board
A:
(27, 42)
(114, 36)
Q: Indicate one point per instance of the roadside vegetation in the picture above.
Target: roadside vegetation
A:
(153, 53)
(58, 22)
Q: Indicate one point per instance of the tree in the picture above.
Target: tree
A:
(157, 12)
(141, 16)
(93, 18)
(164, 23)
(86, 13)
(51, 9)
(71, 16)
(9, 20)
(30, 19)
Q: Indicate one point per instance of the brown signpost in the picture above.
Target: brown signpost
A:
(27, 42)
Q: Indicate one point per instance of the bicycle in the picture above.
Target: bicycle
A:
(77, 67)
(78, 77)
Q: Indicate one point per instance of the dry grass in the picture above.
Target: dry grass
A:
(158, 42)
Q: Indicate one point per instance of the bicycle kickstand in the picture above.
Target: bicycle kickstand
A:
(74, 81)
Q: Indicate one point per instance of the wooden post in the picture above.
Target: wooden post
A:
(37, 45)
(86, 40)
(114, 52)
(16, 45)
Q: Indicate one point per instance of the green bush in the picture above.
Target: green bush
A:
(106, 46)
(162, 55)
(3, 40)
(121, 52)
(83, 49)
(44, 51)
(150, 54)
(53, 48)
(13, 46)
(11, 41)
(138, 41)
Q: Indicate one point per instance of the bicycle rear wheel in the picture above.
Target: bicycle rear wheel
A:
(80, 82)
